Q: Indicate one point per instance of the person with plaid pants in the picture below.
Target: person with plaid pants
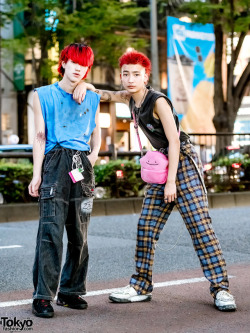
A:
(192, 204)
(185, 188)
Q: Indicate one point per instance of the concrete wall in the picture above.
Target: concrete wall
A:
(26, 212)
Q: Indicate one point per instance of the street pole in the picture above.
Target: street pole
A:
(154, 45)
(0, 75)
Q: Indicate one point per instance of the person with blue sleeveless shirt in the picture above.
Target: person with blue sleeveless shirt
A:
(184, 188)
(63, 180)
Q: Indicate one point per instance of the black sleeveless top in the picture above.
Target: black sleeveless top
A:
(151, 126)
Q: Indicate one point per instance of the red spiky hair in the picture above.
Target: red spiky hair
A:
(135, 58)
(78, 53)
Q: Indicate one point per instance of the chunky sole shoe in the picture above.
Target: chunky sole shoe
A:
(71, 301)
(42, 308)
(128, 295)
(224, 301)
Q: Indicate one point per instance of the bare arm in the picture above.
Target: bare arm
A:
(163, 110)
(95, 142)
(114, 96)
(106, 95)
(38, 147)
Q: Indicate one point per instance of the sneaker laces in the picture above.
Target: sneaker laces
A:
(124, 290)
(224, 295)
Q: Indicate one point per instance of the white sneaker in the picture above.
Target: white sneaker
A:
(224, 301)
(127, 295)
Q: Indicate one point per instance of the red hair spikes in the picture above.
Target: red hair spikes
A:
(135, 58)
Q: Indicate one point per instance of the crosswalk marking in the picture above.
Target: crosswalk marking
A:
(10, 247)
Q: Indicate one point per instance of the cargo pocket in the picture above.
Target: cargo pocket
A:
(47, 201)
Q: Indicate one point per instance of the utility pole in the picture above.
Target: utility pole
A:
(154, 45)
(0, 74)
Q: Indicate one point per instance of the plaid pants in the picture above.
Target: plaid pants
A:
(192, 204)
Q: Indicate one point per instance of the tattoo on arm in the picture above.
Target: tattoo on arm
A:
(124, 96)
(105, 95)
(41, 138)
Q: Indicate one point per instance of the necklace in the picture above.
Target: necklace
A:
(143, 97)
(137, 114)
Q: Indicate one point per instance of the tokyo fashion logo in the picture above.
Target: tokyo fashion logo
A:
(14, 324)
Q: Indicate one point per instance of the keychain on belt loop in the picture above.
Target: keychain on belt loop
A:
(77, 168)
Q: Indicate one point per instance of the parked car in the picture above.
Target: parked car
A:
(16, 149)
(226, 169)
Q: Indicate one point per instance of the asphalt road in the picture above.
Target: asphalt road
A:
(111, 247)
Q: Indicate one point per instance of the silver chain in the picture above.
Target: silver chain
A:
(77, 162)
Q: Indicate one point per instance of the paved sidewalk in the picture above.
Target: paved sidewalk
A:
(186, 308)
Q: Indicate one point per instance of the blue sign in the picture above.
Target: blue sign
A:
(190, 53)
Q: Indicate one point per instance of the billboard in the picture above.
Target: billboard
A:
(190, 56)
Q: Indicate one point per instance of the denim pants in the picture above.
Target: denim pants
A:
(192, 204)
(62, 203)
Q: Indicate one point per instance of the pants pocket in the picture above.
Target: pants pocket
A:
(86, 162)
(47, 201)
(48, 159)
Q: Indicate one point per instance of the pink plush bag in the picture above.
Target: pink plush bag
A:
(154, 165)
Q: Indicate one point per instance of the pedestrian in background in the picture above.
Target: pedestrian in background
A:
(184, 188)
(64, 182)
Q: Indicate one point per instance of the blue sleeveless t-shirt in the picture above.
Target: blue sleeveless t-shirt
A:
(67, 123)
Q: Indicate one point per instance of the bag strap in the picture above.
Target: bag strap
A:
(137, 131)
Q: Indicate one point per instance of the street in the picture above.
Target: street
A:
(181, 300)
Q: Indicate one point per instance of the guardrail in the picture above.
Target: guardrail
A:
(210, 143)
(204, 143)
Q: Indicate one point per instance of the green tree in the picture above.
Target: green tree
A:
(108, 26)
(230, 19)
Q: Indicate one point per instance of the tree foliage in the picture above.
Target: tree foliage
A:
(231, 19)
(108, 26)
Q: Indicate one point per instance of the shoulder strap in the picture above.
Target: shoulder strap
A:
(137, 130)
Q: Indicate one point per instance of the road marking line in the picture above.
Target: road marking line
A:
(108, 291)
(10, 247)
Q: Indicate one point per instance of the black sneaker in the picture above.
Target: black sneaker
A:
(42, 308)
(71, 301)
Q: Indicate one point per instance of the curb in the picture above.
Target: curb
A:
(105, 207)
